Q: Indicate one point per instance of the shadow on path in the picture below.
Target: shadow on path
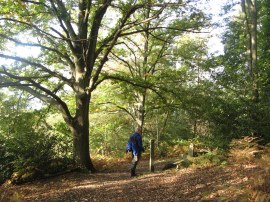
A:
(205, 184)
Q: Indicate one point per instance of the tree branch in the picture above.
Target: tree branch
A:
(83, 16)
(19, 59)
(168, 28)
(125, 62)
(110, 47)
(53, 99)
(70, 62)
(119, 107)
(34, 2)
(142, 84)
(160, 54)
(31, 26)
(63, 16)
(92, 39)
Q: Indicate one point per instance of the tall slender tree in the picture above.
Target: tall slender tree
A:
(249, 8)
(149, 54)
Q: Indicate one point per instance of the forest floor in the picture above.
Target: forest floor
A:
(231, 182)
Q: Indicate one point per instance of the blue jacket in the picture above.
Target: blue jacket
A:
(135, 144)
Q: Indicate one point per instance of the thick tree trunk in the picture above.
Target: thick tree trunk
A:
(81, 147)
(80, 131)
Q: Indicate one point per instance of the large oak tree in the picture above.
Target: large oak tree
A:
(73, 39)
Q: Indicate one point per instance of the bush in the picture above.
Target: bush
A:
(29, 156)
(28, 149)
(6, 166)
(260, 189)
(163, 149)
(215, 157)
(248, 151)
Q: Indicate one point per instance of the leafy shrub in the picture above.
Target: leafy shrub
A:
(244, 150)
(215, 157)
(29, 156)
(163, 149)
(260, 189)
(28, 149)
(6, 166)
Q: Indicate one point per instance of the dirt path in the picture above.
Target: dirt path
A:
(213, 183)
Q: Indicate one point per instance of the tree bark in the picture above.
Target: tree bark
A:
(80, 131)
(250, 11)
(142, 96)
(75, 43)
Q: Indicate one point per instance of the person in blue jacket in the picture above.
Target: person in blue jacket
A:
(135, 146)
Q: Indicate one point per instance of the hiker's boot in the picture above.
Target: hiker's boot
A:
(133, 174)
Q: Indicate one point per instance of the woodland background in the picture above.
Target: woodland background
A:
(90, 71)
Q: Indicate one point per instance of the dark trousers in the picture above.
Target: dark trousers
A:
(134, 163)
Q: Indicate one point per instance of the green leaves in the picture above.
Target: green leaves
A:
(29, 146)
